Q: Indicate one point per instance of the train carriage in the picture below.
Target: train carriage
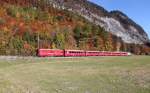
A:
(73, 53)
(92, 53)
(50, 52)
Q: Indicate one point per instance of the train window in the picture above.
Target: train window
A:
(71, 52)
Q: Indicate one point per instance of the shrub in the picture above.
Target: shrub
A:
(87, 29)
(29, 13)
(43, 16)
(2, 21)
(95, 42)
(59, 18)
(59, 40)
(12, 11)
(77, 34)
(15, 45)
(31, 38)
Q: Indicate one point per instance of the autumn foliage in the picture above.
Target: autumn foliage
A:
(22, 23)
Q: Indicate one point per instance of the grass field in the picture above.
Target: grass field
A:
(75, 75)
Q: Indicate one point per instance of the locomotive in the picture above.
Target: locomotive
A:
(77, 53)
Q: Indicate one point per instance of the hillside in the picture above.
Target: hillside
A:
(66, 24)
(115, 22)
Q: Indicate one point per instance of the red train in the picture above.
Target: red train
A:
(77, 53)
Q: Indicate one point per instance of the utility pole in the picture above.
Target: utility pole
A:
(38, 41)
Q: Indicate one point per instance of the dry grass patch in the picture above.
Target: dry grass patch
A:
(76, 75)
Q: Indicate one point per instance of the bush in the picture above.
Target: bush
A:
(29, 13)
(12, 11)
(87, 29)
(2, 21)
(15, 45)
(30, 38)
(95, 42)
(59, 40)
(77, 34)
(59, 18)
(43, 16)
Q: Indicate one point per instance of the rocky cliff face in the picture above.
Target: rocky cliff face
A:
(115, 21)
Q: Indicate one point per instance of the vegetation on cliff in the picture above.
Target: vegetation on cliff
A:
(21, 24)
